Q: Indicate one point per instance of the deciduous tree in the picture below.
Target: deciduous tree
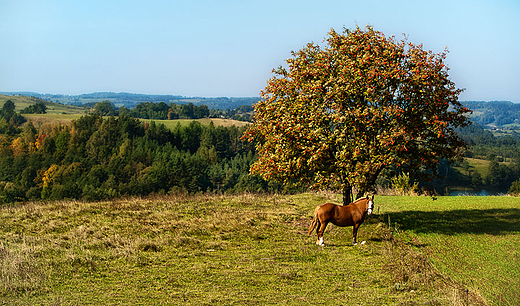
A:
(338, 114)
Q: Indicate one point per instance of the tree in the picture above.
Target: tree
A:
(499, 176)
(514, 189)
(8, 109)
(105, 108)
(11, 117)
(38, 108)
(341, 113)
(187, 110)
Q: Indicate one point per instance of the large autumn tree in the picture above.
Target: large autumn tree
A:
(337, 115)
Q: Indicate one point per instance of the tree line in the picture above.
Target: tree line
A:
(172, 111)
(97, 158)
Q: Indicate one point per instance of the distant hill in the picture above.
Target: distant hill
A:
(21, 102)
(495, 114)
(130, 100)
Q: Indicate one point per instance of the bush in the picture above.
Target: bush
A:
(514, 190)
(401, 184)
(9, 192)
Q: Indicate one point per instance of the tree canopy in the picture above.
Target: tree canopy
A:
(338, 115)
(105, 108)
(38, 108)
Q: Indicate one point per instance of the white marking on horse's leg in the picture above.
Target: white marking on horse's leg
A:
(321, 242)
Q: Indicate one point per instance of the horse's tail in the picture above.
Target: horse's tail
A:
(314, 222)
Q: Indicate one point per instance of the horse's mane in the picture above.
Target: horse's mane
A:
(360, 199)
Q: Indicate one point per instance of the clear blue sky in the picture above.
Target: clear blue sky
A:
(228, 48)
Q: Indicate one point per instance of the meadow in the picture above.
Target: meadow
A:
(64, 114)
(65, 118)
(171, 124)
(254, 249)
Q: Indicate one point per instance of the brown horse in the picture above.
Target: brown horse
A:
(351, 215)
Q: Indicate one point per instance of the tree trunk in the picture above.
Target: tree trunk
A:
(347, 195)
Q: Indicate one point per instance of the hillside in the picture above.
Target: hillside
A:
(495, 114)
(22, 102)
(130, 100)
(57, 112)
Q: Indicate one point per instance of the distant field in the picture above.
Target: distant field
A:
(479, 165)
(66, 118)
(50, 118)
(22, 102)
(66, 113)
(205, 121)
(254, 250)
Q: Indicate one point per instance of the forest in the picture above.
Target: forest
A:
(109, 155)
(99, 157)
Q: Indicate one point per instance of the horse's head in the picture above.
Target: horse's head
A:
(370, 205)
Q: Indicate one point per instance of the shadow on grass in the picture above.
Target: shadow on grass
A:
(473, 221)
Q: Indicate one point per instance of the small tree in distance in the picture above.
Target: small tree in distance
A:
(339, 115)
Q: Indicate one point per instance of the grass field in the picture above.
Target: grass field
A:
(50, 118)
(479, 165)
(64, 114)
(205, 121)
(473, 240)
(22, 102)
(254, 249)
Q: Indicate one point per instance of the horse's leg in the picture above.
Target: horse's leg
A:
(318, 225)
(354, 233)
(320, 230)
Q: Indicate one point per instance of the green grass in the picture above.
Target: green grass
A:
(473, 240)
(479, 165)
(254, 249)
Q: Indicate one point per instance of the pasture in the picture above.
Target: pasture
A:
(254, 249)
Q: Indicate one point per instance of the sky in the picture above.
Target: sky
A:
(228, 48)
